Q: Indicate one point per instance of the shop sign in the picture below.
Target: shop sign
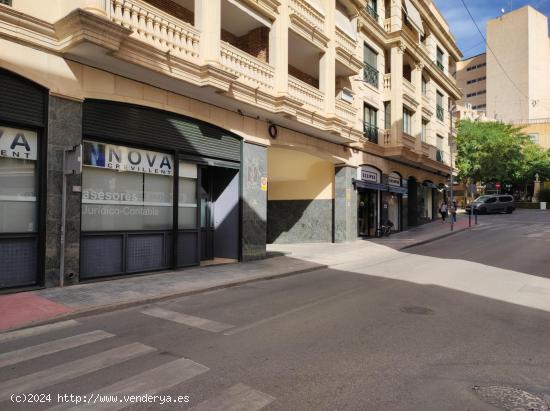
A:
(394, 179)
(120, 158)
(369, 174)
(18, 144)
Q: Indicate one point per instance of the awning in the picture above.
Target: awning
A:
(398, 190)
(370, 186)
(413, 16)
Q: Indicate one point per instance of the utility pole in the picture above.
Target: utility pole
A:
(451, 169)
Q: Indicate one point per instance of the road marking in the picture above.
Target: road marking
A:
(197, 322)
(30, 332)
(50, 347)
(70, 370)
(240, 397)
(149, 382)
(289, 312)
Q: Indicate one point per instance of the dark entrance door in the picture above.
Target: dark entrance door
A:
(219, 209)
(367, 213)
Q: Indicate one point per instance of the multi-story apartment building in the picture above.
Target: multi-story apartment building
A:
(511, 82)
(209, 128)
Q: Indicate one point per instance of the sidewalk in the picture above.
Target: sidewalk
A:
(34, 307)
(425, 233)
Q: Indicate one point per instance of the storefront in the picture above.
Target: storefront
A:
(157, 191)
(22, 181)
(379, 200)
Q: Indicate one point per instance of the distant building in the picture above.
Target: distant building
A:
(520, 42)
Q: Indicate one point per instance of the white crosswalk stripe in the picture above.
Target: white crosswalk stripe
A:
(202, 323)
(50, 347)
(240, 397)
(65, 372)
(149, 382)
(31, 332)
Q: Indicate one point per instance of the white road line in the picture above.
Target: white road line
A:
(50, 347)
(202, 323)
(237, 398)
(149, 382)
(65, 372)
(30, 332)
(289, 312)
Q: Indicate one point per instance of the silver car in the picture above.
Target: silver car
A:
(502, 203)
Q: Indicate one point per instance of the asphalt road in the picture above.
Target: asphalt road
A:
(326, 340)
(518, 241)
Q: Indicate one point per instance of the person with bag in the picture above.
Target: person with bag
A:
(443, 211)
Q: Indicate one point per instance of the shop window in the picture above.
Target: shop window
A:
(187, 201)
(18, 183)
(125, 189)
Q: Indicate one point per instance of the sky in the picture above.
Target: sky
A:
(469, 40)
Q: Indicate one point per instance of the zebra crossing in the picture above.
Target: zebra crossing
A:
(152, 381)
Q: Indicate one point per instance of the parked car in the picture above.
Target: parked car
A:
(503, 203)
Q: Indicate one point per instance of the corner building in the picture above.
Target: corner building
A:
(210, 128)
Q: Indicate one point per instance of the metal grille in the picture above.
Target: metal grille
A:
(18, 257)
(145, 252)
(101, 256)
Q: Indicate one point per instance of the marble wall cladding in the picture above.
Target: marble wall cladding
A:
(254, 202)
(299, 221)
(64, 130)
(345, 205)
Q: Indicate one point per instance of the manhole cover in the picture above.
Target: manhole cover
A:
(415, 309)
(511, 399)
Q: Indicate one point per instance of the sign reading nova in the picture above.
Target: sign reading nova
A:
(121, 158)
(18, 144)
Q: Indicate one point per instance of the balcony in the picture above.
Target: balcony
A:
(440, 155)
(311, 97)
(440, 113)
(346, 112)
(248, 68)
(371, 76)
(370, 132)
(308, 21)
(440, 65)
(408, 141)
(156, 28)
(429, 151)
(346, 47)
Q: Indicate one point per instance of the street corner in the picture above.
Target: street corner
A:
(25, 308)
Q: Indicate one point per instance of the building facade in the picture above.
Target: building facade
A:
(209, 128)
(510, 83)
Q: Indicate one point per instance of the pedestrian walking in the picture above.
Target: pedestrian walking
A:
(453, 212)
(443, 211)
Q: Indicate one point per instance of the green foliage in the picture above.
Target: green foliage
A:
(545, 195)
(498, 152)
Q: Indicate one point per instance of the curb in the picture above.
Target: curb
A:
(431, 240)
(159, 298)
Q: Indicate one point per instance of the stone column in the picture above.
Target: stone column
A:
(278, 48)
(64, 130)
(327, 63)
(396, 15)
(345, 204)
(98, 7)
(396, 93)
(208, 21)
(254, 202)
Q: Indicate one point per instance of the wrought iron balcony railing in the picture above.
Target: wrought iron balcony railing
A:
(439, 155)
(372, 12)
(440, 65)
(371, 75)
(370, 132)
(440, 113)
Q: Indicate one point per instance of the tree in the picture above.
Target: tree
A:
(489, 152)
(536, 160)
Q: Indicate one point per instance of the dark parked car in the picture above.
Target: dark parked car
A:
(493, 204)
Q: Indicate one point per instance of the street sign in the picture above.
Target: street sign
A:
(497, 185)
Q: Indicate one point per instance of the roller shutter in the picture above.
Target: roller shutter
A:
(21, 101)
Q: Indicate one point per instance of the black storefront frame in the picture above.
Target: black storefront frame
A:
(41, 129)
(178, 156)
